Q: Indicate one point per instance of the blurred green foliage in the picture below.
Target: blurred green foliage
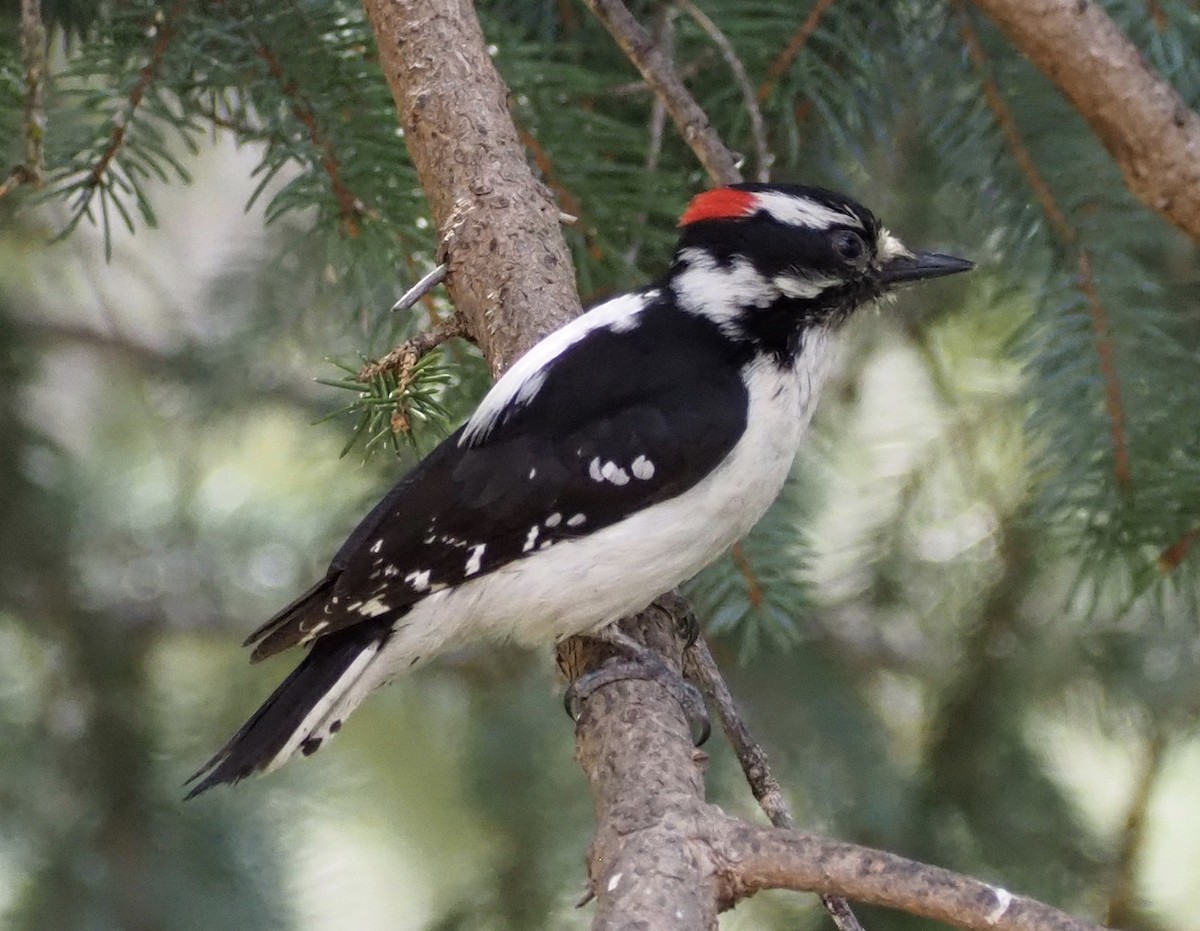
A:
(954, 633)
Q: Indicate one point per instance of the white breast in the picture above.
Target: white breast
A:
(580, 585)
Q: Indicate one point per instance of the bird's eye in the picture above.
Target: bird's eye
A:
(849, 246)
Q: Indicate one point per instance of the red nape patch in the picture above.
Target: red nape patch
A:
(723, 203)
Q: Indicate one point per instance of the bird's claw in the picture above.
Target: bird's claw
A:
(645, 667)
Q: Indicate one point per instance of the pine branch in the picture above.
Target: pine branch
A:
(33, 122)
(402, 359)
(349, 206)
(794, 47)
(510, 273)
(1143, 122)
(689, 118)
(758, 131)
(1068, 236)
(1171, 557)
(163, 30)
(1121, 910)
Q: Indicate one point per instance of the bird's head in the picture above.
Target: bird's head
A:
(767, 261)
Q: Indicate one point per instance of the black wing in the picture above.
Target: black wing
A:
(622, 420)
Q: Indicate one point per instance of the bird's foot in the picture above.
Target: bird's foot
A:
(645, 665)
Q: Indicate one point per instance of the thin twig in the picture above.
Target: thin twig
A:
(424, 285)
(164, 31)
(686, 73)
(758, 130)
(754, 591)
(1170, 558)
(753, 759)
(795, 45)
(33, 60)
(1067, 234)
(1120, 910)
(664, 38)
(350, 208)
(408, 353)
(690, 119)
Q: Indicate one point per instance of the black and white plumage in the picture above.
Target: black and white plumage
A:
(618, 457)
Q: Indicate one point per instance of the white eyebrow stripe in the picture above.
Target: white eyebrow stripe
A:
(801, 211)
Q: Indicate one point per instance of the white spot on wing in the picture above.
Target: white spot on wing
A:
(615, 881)
(594, 470)
(576, 519)
(642, 468)
(554, 519)
(524, 379)
(533, 473)
(418, 580)
(531, 539)
(475, 560)
(615, 473)
(373, 608)
(376, 545)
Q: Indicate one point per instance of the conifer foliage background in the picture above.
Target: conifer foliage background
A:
(966, 633)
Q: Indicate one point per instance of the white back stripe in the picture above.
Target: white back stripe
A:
(521, 383)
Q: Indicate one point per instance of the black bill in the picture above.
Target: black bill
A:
(922, 265)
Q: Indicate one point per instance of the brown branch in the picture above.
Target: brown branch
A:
(753, 760)
(754, 592)
(770, 858)
(758, 131)
(1170, 558)
(510, 273)
(404, 357)
(1066, 233)
(350, 208)
(33, 120)
(795, 45)
(1143, 122)
(639, 46)
(164, 32)
(1122, 897)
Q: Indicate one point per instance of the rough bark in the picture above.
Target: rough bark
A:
(510, 273)
(1143, 122)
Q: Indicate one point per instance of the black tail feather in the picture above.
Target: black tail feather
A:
(261, 738)
(287, 626)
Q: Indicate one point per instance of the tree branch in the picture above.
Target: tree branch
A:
(510, 274)
(687, 115)
(754, 858)
(1067, 235)
(1142, 121)
(758, 130)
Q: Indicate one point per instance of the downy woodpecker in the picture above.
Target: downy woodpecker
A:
(617, 458)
